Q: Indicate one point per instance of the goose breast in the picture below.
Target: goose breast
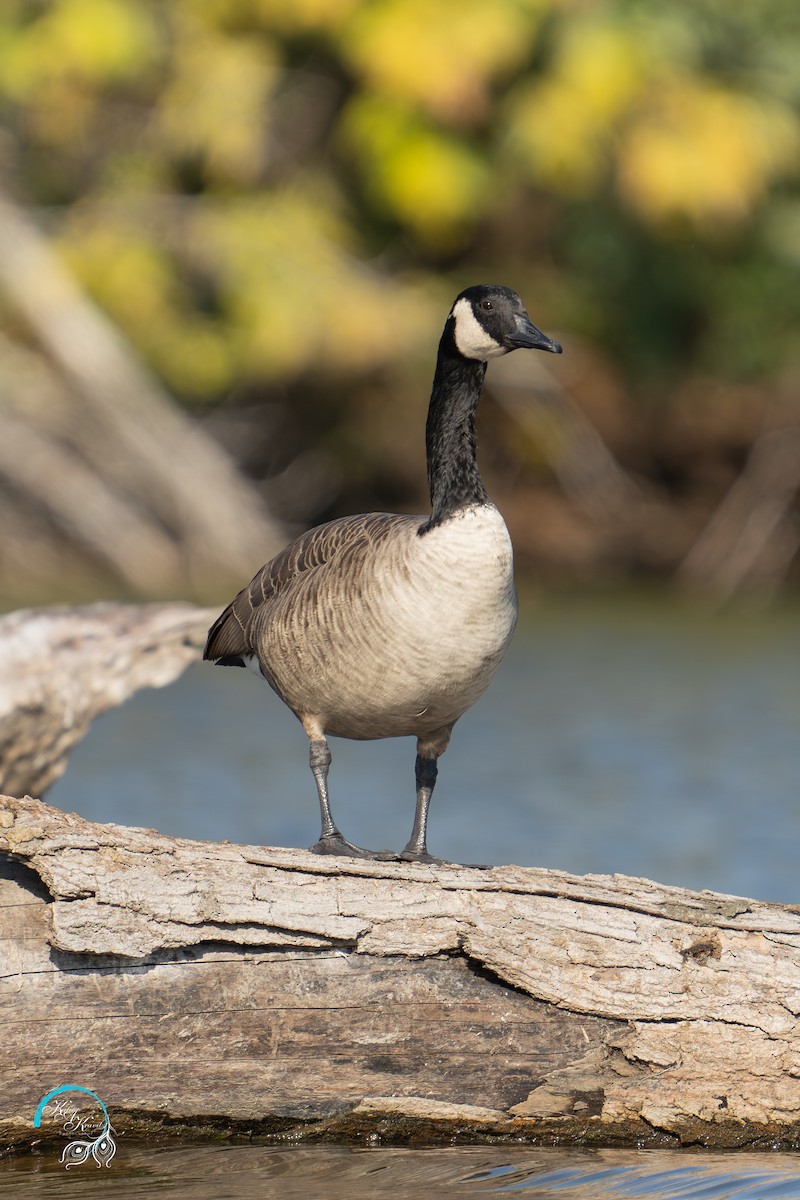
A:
(394, 633)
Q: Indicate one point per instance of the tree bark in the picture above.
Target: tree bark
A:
(240, 989)
(61, 667)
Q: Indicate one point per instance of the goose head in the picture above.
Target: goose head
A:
(489, 320)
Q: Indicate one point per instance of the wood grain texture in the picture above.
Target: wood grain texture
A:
(201, 986)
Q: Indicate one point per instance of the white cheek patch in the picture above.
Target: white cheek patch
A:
(471, 338)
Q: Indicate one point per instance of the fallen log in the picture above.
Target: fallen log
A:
(202, 987)
(61, 667)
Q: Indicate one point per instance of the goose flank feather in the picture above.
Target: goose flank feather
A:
(385, 625)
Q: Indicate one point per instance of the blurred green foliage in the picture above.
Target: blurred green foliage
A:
(257, 189)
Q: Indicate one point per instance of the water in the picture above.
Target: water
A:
(324, 1173)
(645, 738)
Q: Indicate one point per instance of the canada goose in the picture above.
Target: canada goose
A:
(383, 625)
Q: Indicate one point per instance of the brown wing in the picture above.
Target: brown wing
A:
(340, 541)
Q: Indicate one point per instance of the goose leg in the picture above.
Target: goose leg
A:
(331, 840)
(425, 772)
(429, 748)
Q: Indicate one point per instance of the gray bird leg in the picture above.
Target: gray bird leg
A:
(425, 772)
(320, 760)
(331, 840)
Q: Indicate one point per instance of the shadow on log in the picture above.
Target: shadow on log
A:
(199, 987)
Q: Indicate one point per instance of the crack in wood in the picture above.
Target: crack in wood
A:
(344, 999)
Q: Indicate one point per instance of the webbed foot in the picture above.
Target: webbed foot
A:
(338, 845)
(417, 856)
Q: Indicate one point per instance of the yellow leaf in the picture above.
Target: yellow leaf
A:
(562, 127)
(91, 40)
(215, 106)
(704, 153)
(426, 178)
(440, 54)
(292, 293)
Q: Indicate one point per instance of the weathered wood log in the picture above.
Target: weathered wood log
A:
(198, 987)
(61, 667)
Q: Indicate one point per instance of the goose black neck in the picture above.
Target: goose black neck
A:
(453, 476)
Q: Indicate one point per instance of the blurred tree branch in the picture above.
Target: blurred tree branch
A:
(586, 468)
(131, 437)
(753, 536)
(86, 508)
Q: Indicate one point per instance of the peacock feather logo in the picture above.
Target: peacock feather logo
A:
(102, 1148)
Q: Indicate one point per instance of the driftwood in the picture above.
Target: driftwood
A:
(199, 987)
(61, 667)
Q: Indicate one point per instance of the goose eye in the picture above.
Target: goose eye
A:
(486, 305)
